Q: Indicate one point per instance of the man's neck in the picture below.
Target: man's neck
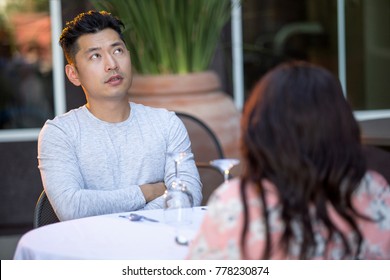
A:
(112, 112)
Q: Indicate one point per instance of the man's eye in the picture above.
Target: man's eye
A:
(118, 50)
(94, 56)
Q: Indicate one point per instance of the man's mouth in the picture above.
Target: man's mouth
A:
(114, 78)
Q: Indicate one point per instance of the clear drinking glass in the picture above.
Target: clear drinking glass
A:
(225, 165)
(178, 203)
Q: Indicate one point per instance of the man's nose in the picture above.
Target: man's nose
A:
(111, 63)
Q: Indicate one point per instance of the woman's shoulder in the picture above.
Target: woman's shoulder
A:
(376, 177)
(373, 189)
(226, 191)
(374, 182)
(372, 199)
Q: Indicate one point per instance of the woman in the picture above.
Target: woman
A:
(305, 192)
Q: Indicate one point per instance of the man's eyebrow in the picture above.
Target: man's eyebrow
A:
(93, 49)
(118, 43)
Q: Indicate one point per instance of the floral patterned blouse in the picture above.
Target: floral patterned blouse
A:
(220, 233)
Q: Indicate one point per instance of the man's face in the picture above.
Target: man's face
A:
(102, 66)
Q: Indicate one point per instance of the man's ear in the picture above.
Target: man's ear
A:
(72, 74)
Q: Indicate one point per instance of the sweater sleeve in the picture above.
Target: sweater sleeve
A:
(64, 184)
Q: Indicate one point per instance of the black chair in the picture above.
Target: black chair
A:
(211, 177)
(44, 213)
(205, 147)
(205, 144)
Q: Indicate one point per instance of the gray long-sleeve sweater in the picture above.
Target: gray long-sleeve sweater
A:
(91, 167)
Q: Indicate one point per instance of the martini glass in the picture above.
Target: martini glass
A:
(178, 203)
(225, 165)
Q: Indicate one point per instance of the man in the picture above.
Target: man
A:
(109, 155)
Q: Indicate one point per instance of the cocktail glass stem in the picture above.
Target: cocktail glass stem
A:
(225, 165)
(226, 173)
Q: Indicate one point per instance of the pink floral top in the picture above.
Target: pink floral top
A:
(220, 232)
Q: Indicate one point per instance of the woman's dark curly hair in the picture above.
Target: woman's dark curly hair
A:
(299, 132)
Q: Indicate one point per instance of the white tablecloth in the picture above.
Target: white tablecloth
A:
(107, 237)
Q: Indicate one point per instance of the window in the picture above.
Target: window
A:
(351, 38)
(26, 68)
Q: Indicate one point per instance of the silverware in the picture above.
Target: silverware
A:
(136, 217)
(181, 240)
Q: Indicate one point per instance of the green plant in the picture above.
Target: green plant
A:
(170, 36)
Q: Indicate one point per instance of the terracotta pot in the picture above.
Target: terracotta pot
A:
(197, 94)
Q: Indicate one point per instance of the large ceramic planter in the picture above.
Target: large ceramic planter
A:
(198, 94)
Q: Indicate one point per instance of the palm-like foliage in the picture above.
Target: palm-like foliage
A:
(170, 36)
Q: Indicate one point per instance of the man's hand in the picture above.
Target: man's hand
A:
(152, 191)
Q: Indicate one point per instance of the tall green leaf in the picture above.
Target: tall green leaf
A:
(170, 36)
